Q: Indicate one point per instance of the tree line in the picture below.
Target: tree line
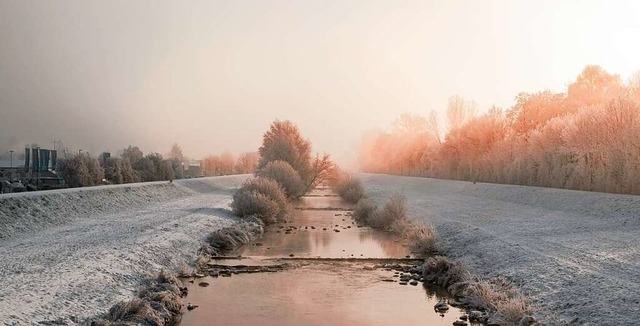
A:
(586, 138)
(132, 165)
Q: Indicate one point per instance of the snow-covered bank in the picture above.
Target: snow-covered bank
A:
(97, 252)
(574, 253)
(33, 211)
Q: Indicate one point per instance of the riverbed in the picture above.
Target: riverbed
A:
(331, 271)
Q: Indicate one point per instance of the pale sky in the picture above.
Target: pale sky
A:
(212, 75)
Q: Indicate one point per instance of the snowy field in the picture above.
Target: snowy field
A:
(576, 254)
(73, 253)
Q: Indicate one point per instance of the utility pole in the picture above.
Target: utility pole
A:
(11, 152)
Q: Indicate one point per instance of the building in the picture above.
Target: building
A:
(35, 172)
(193, 169)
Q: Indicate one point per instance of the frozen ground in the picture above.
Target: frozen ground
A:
(576, 254)
(73, 253)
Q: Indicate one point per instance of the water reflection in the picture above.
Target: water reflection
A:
(313, 234)
(313, 295)
(327, 293)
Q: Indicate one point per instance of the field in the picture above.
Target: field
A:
(575, 254)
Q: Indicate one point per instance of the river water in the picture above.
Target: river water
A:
(336, 278)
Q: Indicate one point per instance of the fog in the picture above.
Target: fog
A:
(212, 75)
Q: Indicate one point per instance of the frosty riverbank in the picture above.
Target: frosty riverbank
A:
(574, 253)
(87, 248)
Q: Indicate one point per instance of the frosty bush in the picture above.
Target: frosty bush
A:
(350, 189)
(364, 209)
(285, 175)
(394, 211)
(262, 198)
(422, 238)
(444, 272)
(283, 142)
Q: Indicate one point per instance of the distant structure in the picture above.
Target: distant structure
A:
(35, 172)
(193, 169)
(11, 169)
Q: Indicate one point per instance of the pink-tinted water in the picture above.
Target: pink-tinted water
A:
(317, 293)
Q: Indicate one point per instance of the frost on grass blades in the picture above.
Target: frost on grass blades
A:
(158, 303)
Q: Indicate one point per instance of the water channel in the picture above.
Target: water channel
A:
(335, 274)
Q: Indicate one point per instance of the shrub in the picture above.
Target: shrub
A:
(262, 198)
(422, 238)
(498, 295)
(350, 189)
(231, 238)
(135, 310)
(364, 209)
(444, 272)
(288, 178)
(394, 211)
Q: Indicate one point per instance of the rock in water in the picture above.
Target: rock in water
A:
(441, 306)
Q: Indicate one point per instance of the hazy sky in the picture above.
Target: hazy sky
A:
(212, 75)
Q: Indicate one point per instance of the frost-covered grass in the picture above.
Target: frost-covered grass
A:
(539, 237)
(226, 240)
(495, 295)
(158, 303)
(384, 218)
(422, 238)
(33, 211)
(106, 240)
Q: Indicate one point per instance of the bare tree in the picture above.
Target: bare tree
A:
(247, 162)
(321, 170)
(460, 111)
(433, 126)
(409, 123)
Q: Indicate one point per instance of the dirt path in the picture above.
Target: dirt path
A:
(81, 268)
(574, 253)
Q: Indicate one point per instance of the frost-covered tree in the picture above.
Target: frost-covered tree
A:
(283, 142)
(80, 170)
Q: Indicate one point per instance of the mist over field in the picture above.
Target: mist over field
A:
(212, 75)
